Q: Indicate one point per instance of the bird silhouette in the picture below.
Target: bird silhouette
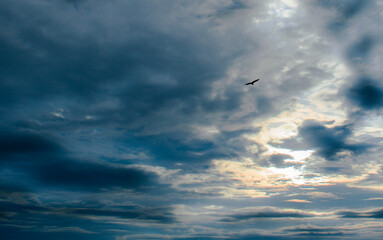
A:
(252, 82)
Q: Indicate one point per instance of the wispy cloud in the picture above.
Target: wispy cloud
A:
(376, 213)
(252, 214)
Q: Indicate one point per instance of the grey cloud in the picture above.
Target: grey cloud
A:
(327, 141)
(23, 209)
(235, 237)
(278, 159)
(22, 232)
(373, 179)
(377, 213)
(92, 175)
(74, 2)
(159, 215)
(154, 77)
(332, 169)
(345, 11)
(366, 93)
(145, 76)
(233, 6)
(124, 78)
(314, 231)
(83, 67)
(267, 213)
(47, 161)
(12, 143)
(59, 220)
(361, 49)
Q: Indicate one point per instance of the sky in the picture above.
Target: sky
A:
(128, 119)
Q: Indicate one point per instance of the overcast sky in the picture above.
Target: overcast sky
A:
(130, 119)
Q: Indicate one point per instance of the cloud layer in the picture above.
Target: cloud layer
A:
(131, 120)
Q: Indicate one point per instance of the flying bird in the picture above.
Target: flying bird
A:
(252, 82)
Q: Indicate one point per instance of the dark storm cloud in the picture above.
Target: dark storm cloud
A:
(40, 63)
(130, 67)
(366, 93)
(377, 213)
(345, 10)
(153, 69)
(15, 143)
(46, 161)
(92, 175)
(267, 213)
(327, 141)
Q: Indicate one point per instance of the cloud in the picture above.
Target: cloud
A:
(15, 143)
(106, 104)
(366, 94)
(373, 180)
(67, 229)
(234, 5)
(320, 195)
(25, 211)
(150, 83)
(267, 213)
(315, 231)
(361, 49)
(278, 160)
(345, 11)
(298, 200)
(153, 79)
(48, 162)
(92, 175)
(159, 215)
(142, 76)
(376, 213)
(328, 142)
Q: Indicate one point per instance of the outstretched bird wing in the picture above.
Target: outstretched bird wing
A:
(252, 82)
